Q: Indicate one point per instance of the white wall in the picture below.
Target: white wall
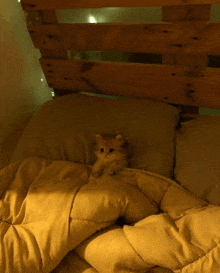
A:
(22, 90)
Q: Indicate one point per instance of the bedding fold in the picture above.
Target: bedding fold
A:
(54, 217)
(35, 209)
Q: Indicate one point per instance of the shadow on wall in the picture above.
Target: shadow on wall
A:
(23, 88)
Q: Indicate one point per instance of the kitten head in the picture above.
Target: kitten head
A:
(110, 148)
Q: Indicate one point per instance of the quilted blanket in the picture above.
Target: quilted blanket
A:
(54, 217)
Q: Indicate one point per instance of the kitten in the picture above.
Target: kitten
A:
(111, 155)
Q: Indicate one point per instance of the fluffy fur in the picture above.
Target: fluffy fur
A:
(111, 155)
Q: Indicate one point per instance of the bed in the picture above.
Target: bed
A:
(159, 215)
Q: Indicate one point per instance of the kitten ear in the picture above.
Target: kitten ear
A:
(119, 138)
(98, 137)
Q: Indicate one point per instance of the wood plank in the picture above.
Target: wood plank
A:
(69, 4)
(180, 37)
(197, 62)
(50, 17)
(186, 13)
(54, 54)
(74, 68)
(166, 83)
(185, 59)
(41, 17)
(189, 113)
(33, 17)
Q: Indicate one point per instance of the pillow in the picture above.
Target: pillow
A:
(198, 157)
(65, 128)
(9, 136)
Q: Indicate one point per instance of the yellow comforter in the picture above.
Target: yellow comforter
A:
(51, 208)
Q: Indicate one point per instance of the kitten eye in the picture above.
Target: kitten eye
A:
(101, 150)
(111, 150)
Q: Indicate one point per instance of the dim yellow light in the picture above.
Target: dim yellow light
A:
(92, 19)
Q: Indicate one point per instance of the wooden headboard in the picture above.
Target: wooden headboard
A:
(185, 42)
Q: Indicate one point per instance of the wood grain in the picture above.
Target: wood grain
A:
(180, 37)
(166, 83)
(185, 40)
(186, 13)
(49, 17)
(70, 4)
(197, 61)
